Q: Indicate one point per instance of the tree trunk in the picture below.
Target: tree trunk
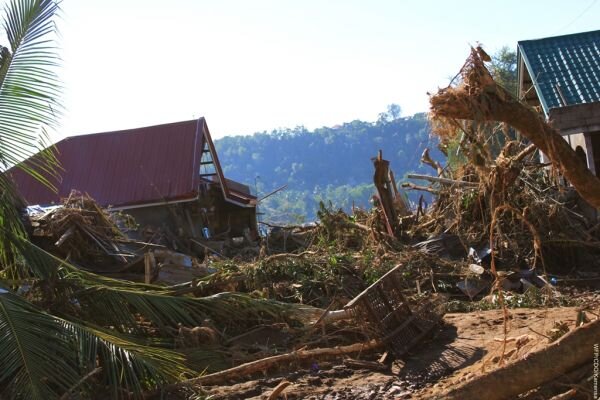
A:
(479, 98)
(572, 350)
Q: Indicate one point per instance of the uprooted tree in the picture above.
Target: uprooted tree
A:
(478, 97)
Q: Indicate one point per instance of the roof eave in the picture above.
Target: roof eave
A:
(522, 55)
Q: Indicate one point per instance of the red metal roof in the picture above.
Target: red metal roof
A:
(130, 167)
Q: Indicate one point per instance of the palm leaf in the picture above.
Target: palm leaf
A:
(119, 303)
(42, 356)
(10, 222)
(127, 365)
(29, 87)
(28, 339)
(28, 105)
(233, 311)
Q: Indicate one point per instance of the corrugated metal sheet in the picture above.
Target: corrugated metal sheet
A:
(130, 167)
(564, 69)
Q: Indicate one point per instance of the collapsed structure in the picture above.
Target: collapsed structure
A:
(168, 177)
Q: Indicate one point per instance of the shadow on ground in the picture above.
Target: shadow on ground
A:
(438, 356)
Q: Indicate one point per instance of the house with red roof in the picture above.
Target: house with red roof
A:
(168, 177)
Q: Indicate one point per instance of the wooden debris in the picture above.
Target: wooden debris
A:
(149, 267)
(279, 389)
(281, 360)
(362, 364)
(479, 98)
(443, 181)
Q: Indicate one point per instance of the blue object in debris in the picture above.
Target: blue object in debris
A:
(314, 368)
(206, 233)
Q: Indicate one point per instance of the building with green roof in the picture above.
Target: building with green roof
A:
(560, 76)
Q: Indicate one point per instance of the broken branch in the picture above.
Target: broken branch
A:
(281, 359)
(443, 181)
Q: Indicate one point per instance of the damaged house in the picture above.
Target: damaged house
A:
(561, 77)
(167, 177)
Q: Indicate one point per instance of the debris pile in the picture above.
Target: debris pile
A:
(81, 232)
(503, 232)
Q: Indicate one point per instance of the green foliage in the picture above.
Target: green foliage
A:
(456, 158)
(324, 164)
(70, 322)
(504, 69)
(29, 87)
(28, 104)
(43, 355)
(531, 298)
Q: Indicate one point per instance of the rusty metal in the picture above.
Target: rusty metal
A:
(390, 317)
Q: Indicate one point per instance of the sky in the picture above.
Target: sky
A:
(249, 66)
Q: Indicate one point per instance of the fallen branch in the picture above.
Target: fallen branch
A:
(426, 159)
(479, 98)
(443, 181)
(412, 186)
(207, 248)
(566, 395)
(283, 256)
(278, 390)
(362, 364)
(572, 350)
(281, 359)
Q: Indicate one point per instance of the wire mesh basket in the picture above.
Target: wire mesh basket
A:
(389, 315)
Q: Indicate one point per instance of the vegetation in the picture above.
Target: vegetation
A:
(63, 329)
(302, 159)
(504, 69)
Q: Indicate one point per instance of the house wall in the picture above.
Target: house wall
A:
(167, 218)
(579, 124)
(224, 217)
(181, 221)
(583, 141)
(219, 218)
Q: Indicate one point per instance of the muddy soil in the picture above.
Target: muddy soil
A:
(464, 346)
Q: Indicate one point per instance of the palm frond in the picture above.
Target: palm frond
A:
(31, 338)
(127, 365)
(119, 303)
(28, 338)
(10, 222)
(233, 311)
(29, 87)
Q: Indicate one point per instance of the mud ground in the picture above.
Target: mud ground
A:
(464, 346)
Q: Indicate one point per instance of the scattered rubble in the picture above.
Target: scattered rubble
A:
(370, 288)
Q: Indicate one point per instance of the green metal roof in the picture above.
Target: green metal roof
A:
(565, 70)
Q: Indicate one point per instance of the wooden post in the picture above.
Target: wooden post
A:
(149, 267)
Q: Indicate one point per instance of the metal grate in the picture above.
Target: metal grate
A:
(390, 317)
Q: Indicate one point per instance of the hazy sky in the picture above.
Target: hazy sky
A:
(256, 65)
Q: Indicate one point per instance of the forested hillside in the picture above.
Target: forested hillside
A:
(331, 164)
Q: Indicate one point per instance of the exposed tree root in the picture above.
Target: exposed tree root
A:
(479, 98)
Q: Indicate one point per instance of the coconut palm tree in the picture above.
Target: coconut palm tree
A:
(93, 329)
(43, 355)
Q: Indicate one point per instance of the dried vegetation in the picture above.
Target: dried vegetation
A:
(502, 232)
